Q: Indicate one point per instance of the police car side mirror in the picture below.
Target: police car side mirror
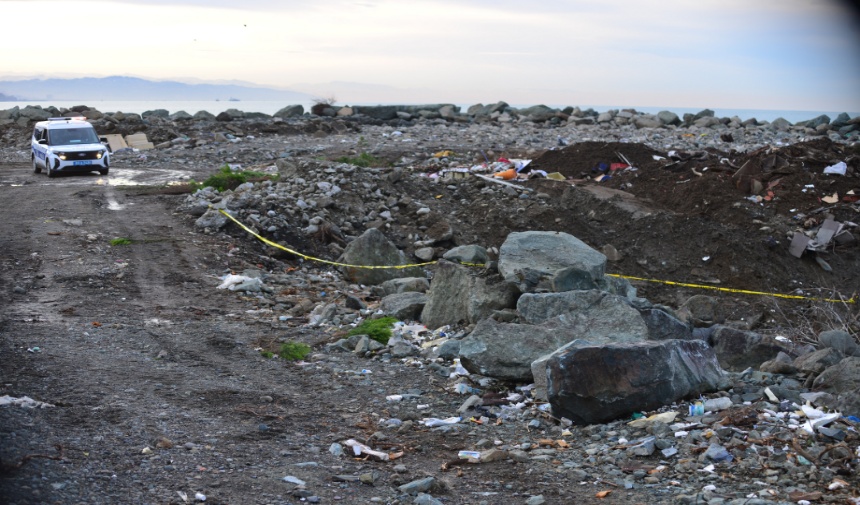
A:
(43, 142)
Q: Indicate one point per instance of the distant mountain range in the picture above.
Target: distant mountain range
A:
(133, 88)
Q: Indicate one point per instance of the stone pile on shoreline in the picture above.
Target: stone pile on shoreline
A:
(842, 126)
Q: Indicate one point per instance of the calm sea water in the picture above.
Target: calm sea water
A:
(268, 107)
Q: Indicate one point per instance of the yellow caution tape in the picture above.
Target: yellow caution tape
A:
(311, 258)
(399, 267)
(732, 290)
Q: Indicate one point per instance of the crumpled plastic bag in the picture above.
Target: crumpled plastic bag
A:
(665, 417)
(231, 280)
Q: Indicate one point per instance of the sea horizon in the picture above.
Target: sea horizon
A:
(272, 106)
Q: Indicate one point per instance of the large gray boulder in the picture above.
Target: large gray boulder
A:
(738, 350)
(290, 111)
(212, 220)
(700, 310)
(10, 113)
(383, 112)
(203, 115)
(161, 113)
(405, 285)
(618, 286)
(480, 110)
(539, 368)
(595, 384)
(531, 259)
(840, 340)
(506, 351)
(477, 110)
(841, 120)
(842, 381)
(373, 249)
(32, 113)
(647, 122)
(473, 254)
(181, 115)
(814, 122)
(404, 306)
(457, 296)
(816, 362)
(596, 316)
(669, 117)
(288, 168)
(573, 279)
(538, 113)
(780, 124)
(664, 326)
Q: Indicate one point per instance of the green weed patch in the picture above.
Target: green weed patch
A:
(377, 329)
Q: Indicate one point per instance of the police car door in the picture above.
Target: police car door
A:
(40, 149)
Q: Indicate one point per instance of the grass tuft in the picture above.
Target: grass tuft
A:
(363, 160)
(225, 178)
(377, 329)
(120, 241)
(294, 351)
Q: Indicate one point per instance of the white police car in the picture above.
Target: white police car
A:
(64, 145)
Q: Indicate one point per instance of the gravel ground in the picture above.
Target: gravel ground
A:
(159, 393)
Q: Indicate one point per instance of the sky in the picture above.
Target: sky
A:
(741, 54)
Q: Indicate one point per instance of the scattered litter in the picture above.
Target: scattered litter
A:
(358, 449)
(665, 417)
(836, 484)
(294, 480)
(138, 142)
(476, 455)
(454, 173)
(231, 280)
(432, 422)
(829, 231)
(837, 169)
(521, 188)
(697, 409)
(465, 389)
(834, 198)
(24, 402)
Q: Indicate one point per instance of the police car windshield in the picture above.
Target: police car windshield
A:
(72, 136)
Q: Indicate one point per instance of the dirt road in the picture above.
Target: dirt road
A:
(84, 324)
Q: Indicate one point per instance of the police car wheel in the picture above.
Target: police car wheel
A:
(36, 168)
(51, 173)
(103, 171)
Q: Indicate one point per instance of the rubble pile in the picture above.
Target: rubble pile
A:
(526, 315)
